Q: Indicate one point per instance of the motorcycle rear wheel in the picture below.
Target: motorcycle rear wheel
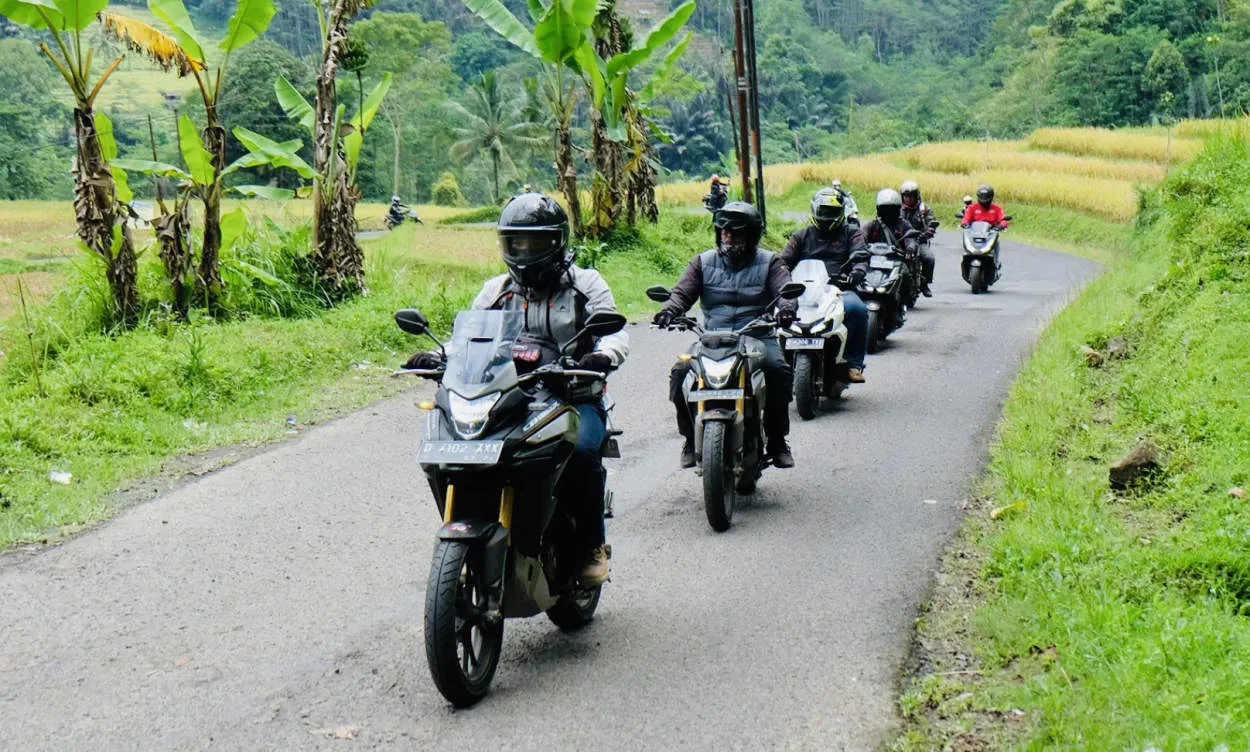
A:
(574, 611)
(461, 644)
(718, 480)
(805, 397)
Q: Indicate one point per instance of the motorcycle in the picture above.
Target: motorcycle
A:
(815, 343)
(396, 215)
(882, 291)
(726, 384)
(980, 266)
(497, 440)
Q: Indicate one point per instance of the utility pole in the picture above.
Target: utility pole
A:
(744, 142)
(753, 80)
(748, 103)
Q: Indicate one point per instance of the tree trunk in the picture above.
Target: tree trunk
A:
(96, 212)
(338, 258)
(173, 233)
(210, 262)
(494, 163)
(566, 171)
(608, 185)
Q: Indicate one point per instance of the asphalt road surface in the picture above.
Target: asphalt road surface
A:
(277, 604)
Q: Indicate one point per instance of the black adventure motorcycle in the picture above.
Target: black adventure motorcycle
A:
(496, 444)
(726, 386)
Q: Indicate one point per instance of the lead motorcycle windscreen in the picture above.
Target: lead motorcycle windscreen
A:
(480, 350)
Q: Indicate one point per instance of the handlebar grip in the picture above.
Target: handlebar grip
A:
(429, 373)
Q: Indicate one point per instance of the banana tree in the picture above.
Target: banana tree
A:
(98, 199)
(201, 176)
(250, 19)
(338, 258)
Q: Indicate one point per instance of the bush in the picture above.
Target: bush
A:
(446, 191)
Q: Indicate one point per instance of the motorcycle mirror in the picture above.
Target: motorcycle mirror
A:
(659, 293)
(792, 290)
(603, 323)
(412, 321)
(1007, 217)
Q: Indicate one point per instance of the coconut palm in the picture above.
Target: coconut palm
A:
(492, 125)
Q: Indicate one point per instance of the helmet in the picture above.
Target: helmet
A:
(967, 200)
(716, 178)
(910, 190)
(741, 217)
(985, 195)
(827, 208)
(889, 205)
(394, 199)
(534, 240)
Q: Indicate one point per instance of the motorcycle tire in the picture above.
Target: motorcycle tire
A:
(976, 280)
(805, 397)
(718, 480)
(874, 331)
(462, 654)
(574, 611)
(750, 473)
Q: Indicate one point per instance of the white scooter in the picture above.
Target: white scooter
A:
(815, 344)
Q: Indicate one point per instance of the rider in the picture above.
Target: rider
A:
(831, 239)
(967, 203)
(889, 227)
(735, 283)
(985, 210)
(917, 214)
(848, 202)
(716, 197)
(557, 296)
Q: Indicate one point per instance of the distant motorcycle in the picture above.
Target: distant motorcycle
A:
(980, 265)
(726, 386)
(815, 344)
(396, 215)
(882, 292)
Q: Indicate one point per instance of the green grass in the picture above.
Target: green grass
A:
(1082, 618)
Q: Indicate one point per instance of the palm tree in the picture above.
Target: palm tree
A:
(492, 124)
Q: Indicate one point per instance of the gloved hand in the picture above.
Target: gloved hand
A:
(595, 362)
(663, 319)
(785, 317)
(425, 361)
(856, 277)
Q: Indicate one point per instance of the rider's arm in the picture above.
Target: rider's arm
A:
(778, 276)
(599, 300)
(969, 213)
(1000, 217)
(687, 289)
(792, 254)
(858, 248)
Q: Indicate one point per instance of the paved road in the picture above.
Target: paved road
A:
(277, 603)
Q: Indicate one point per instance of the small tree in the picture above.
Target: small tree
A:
(446, 191)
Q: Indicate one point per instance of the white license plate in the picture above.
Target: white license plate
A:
(706, 395)
(459, 452)
(805, 343)
(881, 262)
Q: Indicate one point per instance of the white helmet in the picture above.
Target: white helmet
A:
(888, 197)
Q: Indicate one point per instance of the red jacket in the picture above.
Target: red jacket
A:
(978, 213)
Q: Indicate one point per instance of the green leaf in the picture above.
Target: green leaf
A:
(537, 8)
(174, 14)
(352, 143)
(589, 62)
(78, 14)
(251, 159)
(258, 274)
(250, 19)
(582, 11)
(661, 70)
(557, 34)
(264, 191)
(232, 226)
(504, 23)
(148, 167)
(372, 102)
(199, 161)
(617, 105)
(668, 28)
(273, 152)
(121, 184)
(27, 13)
(293, 103)
(104, 132)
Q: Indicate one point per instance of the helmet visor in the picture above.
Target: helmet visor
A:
(529, 247)
(828, 212)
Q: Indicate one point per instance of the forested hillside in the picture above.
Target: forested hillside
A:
(838, 77)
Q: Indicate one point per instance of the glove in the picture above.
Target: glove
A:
(595, 362)
(425, 361)
(663, 319)
(856, 277)
(785, 317)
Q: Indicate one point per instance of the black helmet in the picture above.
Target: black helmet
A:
(985, 195)
(534, 240)
(827, 208)
(889, 205)
(739, 216)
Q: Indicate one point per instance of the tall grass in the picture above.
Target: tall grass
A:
(971, 157)
(1101, 142)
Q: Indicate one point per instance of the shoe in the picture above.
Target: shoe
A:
(855, 375)
(780, 452)
(596, 571)
(925, 291)
(687, 454)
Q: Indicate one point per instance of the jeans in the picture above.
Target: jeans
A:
(779, 386)
(855, 316)
(584, 477)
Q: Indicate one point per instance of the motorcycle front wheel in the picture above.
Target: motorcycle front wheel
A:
(462, 643)
(874, 331)
(976, 280)
(805, 396)
(718, 480)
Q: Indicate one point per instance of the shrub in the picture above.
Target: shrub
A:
(447, 191)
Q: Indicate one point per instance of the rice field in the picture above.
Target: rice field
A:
(1155, 146)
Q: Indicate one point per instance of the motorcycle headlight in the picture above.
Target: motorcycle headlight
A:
(796, 328)
(470, 415)
(969, 246)
(717, 372)
(880, 289)
(820, 326)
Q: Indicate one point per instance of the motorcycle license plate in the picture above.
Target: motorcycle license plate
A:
(805, 343)
(705, 395)
(459, 452)
(880, 262)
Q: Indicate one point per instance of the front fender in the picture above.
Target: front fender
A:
(472, 530)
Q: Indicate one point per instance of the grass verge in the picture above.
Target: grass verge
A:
(1073, 616)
